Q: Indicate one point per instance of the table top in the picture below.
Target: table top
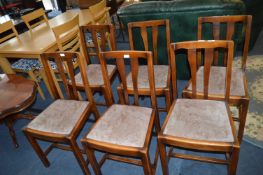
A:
(42, 38)
(16, 93)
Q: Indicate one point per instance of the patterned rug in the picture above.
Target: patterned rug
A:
(254, 122)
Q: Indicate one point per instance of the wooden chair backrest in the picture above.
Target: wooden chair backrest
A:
(106, 33)
(7, 31)
(207, 47)
(68, 35)
(68, 79)
(100, 13)
(153, 26)
(133, 57)
(229, 21)
(35, 18)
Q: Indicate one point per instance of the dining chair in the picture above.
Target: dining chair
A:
(239, 96)
(35, 18)
(105, 42)
(61, 122)
(162, 79)
(200, 124)
(124, 131)
(24, 65)
(100, 13)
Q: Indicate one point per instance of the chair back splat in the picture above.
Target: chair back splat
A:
(10, 30)
(232, 24)
(62, 60)
(133, 57)
(103, 39)
(153, 27)
(208, 48)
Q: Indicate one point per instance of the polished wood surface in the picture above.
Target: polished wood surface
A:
(58, 140)
(230, 149)
(16, 93)
(6, 27)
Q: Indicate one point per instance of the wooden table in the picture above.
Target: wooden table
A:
(16, 94)
(41, 39)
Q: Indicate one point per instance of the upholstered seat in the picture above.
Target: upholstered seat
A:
(217, 81)
(60, 117)
(95, 74)
(122, 125)
(200, 120)
(30, 64)
(160, 75)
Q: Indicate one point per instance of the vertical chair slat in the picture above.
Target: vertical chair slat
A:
(207, 68)
(144, 38)
(122, 71)
(192, 61)
(155, 42)
(216, 36)
(134, 73)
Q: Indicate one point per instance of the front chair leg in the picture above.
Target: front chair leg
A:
(92, 159)
(146, 163)
(37, 149)
(163, 158)
(242, 114)
(234, 160)
(79, 157)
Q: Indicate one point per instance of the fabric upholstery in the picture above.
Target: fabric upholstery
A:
(217, 81)
(122, 125)
(95, 74)
(160, 76)
(29, 64)
(200, 120)
(60, 117)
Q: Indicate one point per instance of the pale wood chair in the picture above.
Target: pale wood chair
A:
(239, 96)
(200, 124)
(35, 18)
(63, 120)
(100, 13)
(105, 42)
(28, 66)
(162, 79)
(124, 131)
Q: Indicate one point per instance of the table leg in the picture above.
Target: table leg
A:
(5, 65)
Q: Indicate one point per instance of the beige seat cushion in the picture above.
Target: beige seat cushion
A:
(160, 76)
(217, 81)
(200, 120)
(122, 125)
(60, 117)
(95, 74)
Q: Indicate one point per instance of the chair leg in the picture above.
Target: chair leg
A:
(168, 100)
(234, 160)
(33, 77)
(9, 123)
(242, 112)
(92, 160)
(107, 97)
(146, 163)
(37, 149)
(121, 97)
(79, 157)
(163, 158)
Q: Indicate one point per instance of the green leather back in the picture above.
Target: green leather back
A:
(183, 15)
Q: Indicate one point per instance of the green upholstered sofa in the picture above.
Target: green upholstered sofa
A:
(183, 16)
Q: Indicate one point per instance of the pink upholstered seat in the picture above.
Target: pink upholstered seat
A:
(217, 81)
(160, 75)
(122, 125)
(95, 74)
(60, 117)
(200, 120)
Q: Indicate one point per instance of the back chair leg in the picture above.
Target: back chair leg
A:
(242, 112)
(37, 149)
(168, 99)
(146, 162)
(79, 157)
(163, 157)
(120, 94)
(234, 160)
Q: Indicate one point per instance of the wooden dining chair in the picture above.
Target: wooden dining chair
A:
(124, 131)
(35, 18)
(100, 13)
(163, 71)
(200, 124)
(239, 96)
(62, 121)
(28, 66)
(105, 42)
